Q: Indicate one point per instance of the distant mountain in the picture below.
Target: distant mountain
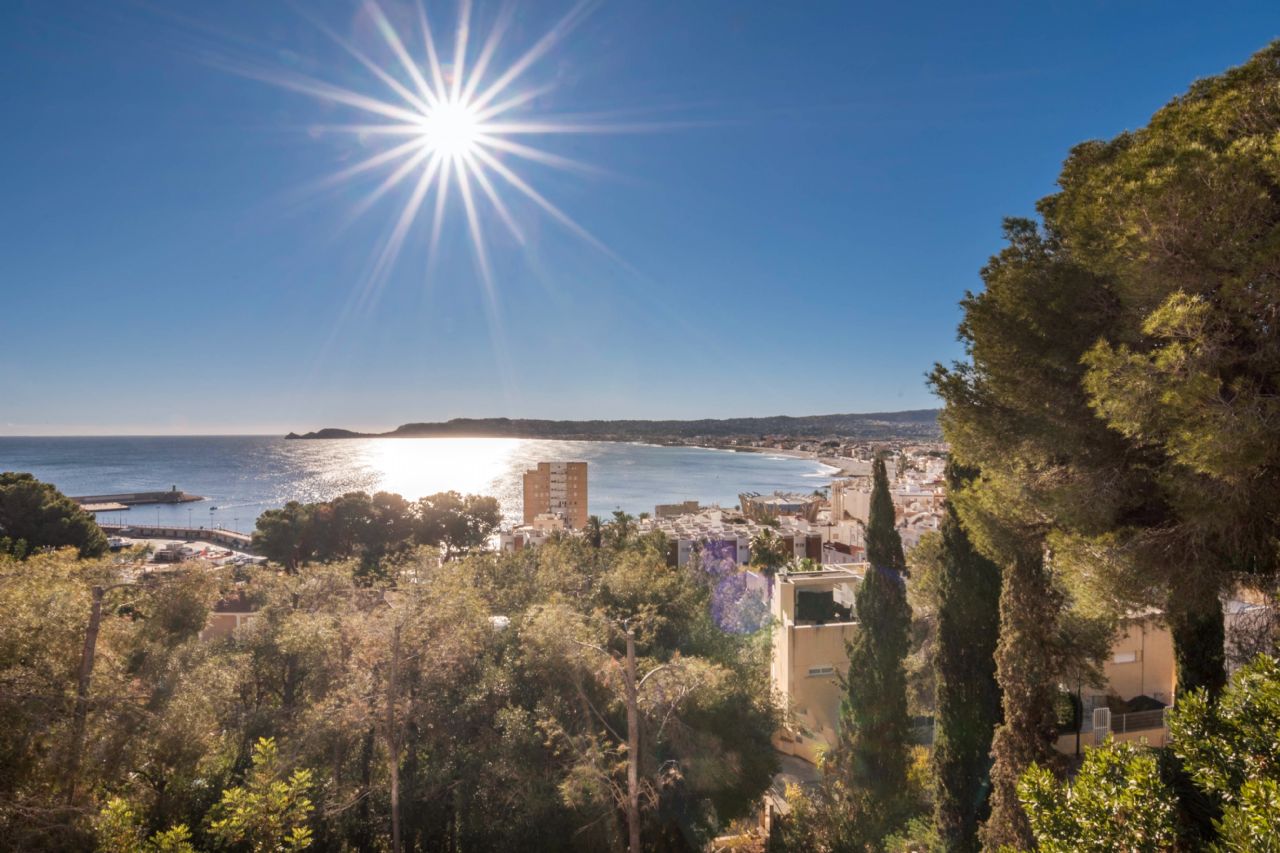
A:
(917, 423)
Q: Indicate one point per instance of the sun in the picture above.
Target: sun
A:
(449, 131)
(452, 129)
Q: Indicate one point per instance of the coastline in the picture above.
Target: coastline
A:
(844, 467)
(919, 423)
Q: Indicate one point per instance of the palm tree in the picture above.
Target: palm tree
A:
(622, 526)
(594, 530)
(768, 552)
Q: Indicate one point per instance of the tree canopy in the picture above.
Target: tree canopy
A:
(475, 703)
(35, 515)
(1120, 393)
(372, 527)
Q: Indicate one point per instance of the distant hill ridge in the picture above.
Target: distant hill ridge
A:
(916, 423)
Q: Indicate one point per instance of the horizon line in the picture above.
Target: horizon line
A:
(375, 432)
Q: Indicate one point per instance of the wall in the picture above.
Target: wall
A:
(1152, 671)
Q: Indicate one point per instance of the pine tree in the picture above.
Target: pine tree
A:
(968, 696)
(875, 728)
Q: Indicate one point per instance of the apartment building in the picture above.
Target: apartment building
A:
(812, 622)
(558, 489)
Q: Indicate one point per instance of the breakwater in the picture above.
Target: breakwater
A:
(173, 496)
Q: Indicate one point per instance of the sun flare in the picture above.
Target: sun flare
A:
(455, 130)
(451, 130)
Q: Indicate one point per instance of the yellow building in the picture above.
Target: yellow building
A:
(558, 489)
(812, 621)
(1141, 661)
(1140, 664)
(228, 614)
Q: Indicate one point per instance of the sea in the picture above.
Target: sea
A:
(241, 476)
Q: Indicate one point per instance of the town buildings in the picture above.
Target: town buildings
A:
(557, 489)
(730, 533)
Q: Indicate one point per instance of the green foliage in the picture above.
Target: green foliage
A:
(281, 535)
(618, 533)
(373, 528)
(1118, 801)
(827, 818)
(804, 565)
(1183, 214)
(1122, 388)
(594, 531)
(1124, 796)
(968, 696)
(918, 835)
(1026, 668)
(153, 698)
(268, 813)
(456, 523)
(119, 831)
(505, 736)
(925, 564)
(871, 756)
(35, 515)
(1233, 741)
(768, 552)
(705, 712)
(1251, 824)
(834, 816)
(884, 543)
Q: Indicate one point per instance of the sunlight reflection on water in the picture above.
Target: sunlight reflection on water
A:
(243, 475)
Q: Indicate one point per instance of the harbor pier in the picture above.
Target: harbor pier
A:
(233, 539)
(124, 500)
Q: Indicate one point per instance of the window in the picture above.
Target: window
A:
(821, 670)
(1125, 657)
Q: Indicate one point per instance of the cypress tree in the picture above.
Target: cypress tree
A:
(968, 696)
(1025, 668)
(875, 728)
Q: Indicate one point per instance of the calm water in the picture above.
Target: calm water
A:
(244, 475)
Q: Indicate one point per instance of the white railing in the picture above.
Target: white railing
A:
(1103, 723)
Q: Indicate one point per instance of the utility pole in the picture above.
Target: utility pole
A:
(630, 694)
(393, 740)
(82, 694)
(633, 745)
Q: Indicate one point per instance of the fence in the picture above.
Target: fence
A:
(1104, 723)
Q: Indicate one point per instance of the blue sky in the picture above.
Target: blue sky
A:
(818, 185)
